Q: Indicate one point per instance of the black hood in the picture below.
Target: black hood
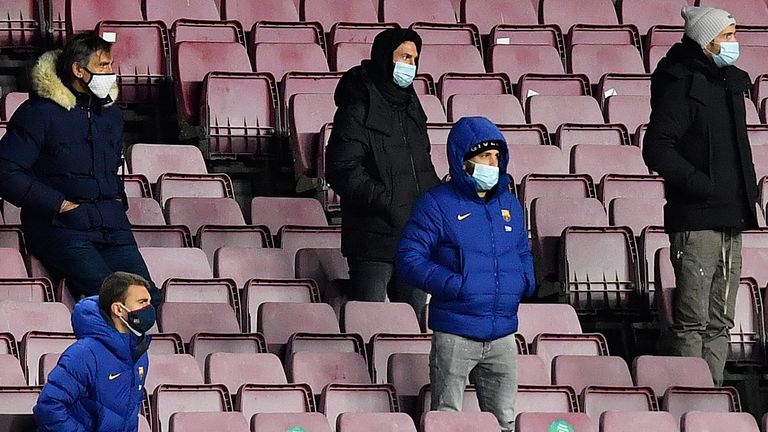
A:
(378, 71)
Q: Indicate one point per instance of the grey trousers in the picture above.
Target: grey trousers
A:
(707, 268)
(490, 366)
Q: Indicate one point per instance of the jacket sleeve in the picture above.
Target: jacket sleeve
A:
(19, 150)
(68, 381)
(346, 151)
(414, 265)
(524, 250)
(670, 120)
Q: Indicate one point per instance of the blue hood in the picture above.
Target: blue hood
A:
(467, 132)
(89, 321)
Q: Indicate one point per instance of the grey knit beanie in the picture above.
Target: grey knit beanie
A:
(703, 24)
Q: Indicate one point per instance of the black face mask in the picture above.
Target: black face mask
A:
(140, 320)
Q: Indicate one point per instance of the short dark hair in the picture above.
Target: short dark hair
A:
(115, 288)
(79, 50)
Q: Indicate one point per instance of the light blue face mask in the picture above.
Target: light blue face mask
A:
(404, 74)
(485, 176)
(729, 53)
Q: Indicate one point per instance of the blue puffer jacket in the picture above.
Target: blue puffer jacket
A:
(61, 145)
(470, 253)
(98, 384)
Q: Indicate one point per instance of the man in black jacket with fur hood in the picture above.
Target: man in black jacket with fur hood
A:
(697, 140)
(378, 162)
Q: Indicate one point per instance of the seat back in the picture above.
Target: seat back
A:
(637, 421)
(248, 12)
(537, 318)
(431, 11)
(267, 422)
(37, 344)
(565, 13)
(437, 421)
(189, 319)
(279, 58)
(319, 369)
(205, 421)
(329, 12)
(195, 212)
(487, 14)
(546, 110)
(10, 371)
(84, 15)
(235, 369)
(18, 318)
(532, 421)
(661, 372)
(369, 318)
(278, 321)
(171, 399)
(166, 263)
(172, 369)
(711, 421)
(170, 11)
(437, 60)
(517, 60)
(507, 109)
(344, 398)
(153, 160)
(582, 371)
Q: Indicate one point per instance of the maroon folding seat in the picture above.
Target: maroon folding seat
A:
(744, 344)
(384, 345)
(754, 264)
(680, 400)
(234, 370)
(753, 118)
(161, 236)
(18, 318)
(569, 135)
(535, 319)
(714, 421)
(140, 59)
(651, 240)
(249, 12)
(534, 84)
(84, 15)
(439, 157)
(637, 421)
(433, 108)
(136, 185)
(20, 21)
(760, 160)
(319, 369)
(632, 186)
(295, 237)
(205, 421)
(12, 264)
(169, 399)
(754, 59)
(370, 318)
(170, 11)
(154, 160)
(652, 13)
(439, 421)
(10, 371)
(549, 216)
(240, 111)
(603, 35)
(266, 422)
(583, 371)
(408, 372)
(599, 160)
(636, 213)
(257, 292)
(194, 186)
(536, 421)
(166, 263)
(517, 60)
(145, 211)
(11, 102)
(278, 321)
(165, 343)
(195, 212)
(202, 291)
(661, 372)
(431, 11)
(550, 345)
(356, 32)
(344, 398)
(632, 111)
(472, 84)
(598, 60)
(328, 12)
(547, 110)
(308, 113)
(326, 266)
(539, 159)
(18, 400)
(204, 30)
(611, 85)
(565, 13)
(747, 12)
(188, 319)
(532, 370)
(447, 34)
(500, 109)
(244, 264)
(487, 14)
(548, 399)
(203, 344)
(35, 345)
(172, 369)
(274, 398)
(596, 400)
(305, 82)
(279, 58)
(346, 55)
(437, 60)
(375, 422)
(193, 60)
(211, 238)
(144, 424)
(8, 344)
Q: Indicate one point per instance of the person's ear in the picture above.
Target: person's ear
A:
(116, 309)
(78, 71)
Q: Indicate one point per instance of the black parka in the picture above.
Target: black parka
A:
(697, 140)
(377, 158)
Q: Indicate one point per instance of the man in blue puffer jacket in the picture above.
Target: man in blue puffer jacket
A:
(466, 244)
(98, 383)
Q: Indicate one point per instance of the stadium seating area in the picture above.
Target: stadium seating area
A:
(253, 335)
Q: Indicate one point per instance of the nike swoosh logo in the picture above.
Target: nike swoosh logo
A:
(462, 217)
(112, 377)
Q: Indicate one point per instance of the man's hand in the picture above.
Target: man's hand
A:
(67, 206)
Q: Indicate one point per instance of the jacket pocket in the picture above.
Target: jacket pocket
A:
(77, 219)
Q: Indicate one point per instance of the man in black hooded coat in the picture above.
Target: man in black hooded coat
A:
(378, 161)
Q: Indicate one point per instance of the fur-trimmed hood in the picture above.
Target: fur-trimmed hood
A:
(47, 84)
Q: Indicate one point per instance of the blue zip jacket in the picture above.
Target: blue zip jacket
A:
(61, 144)
(472, 254)
(98, 384)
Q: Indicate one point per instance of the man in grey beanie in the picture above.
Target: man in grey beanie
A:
(697, 140)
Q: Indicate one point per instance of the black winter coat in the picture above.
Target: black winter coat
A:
(378, 161)
(697, 140)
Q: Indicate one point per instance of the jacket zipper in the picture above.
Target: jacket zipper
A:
(495, 271)
(410, 153)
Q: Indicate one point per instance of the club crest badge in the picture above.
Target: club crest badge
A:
(505, 214)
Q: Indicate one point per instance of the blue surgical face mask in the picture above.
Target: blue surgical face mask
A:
(403, 74)
(485, 176)
(729, 53)
(140, 320)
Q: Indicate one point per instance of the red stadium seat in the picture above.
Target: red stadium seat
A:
(249, 12)
(344, 398)
(172, 369)
(370, 318)
(84, 15)
(566, 13)
(409, 372)
(319, 369)
(280, 58)
(487, 14)
(278, 321)
(583, 371)
(169, 399)
(517, 60)
(18, 318)
(711, 421)
(37, 343)
(747, 12)
(634, 421)
(539, 159)
(206, 421)
(153, 160)
(11, 102)
(234, 370)
(308, 113)
(436, 421)
(170, 11)
(375, 422)
(437, 60)
(500, 109)
(533, 421)
(636, 213)
(274, 398)
(402, 12)
(433, 108)
(269, 422)
(546, 110)
(189, 319)
(196, 212)
(652, 13)
(329, 12)
(599, 160)
(167, 263)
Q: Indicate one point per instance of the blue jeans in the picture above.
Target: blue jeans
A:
(86, 263)
(374, 281)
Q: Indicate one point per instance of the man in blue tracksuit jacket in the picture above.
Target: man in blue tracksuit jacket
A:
(466, 244)
(98, 383)
(59, 161)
